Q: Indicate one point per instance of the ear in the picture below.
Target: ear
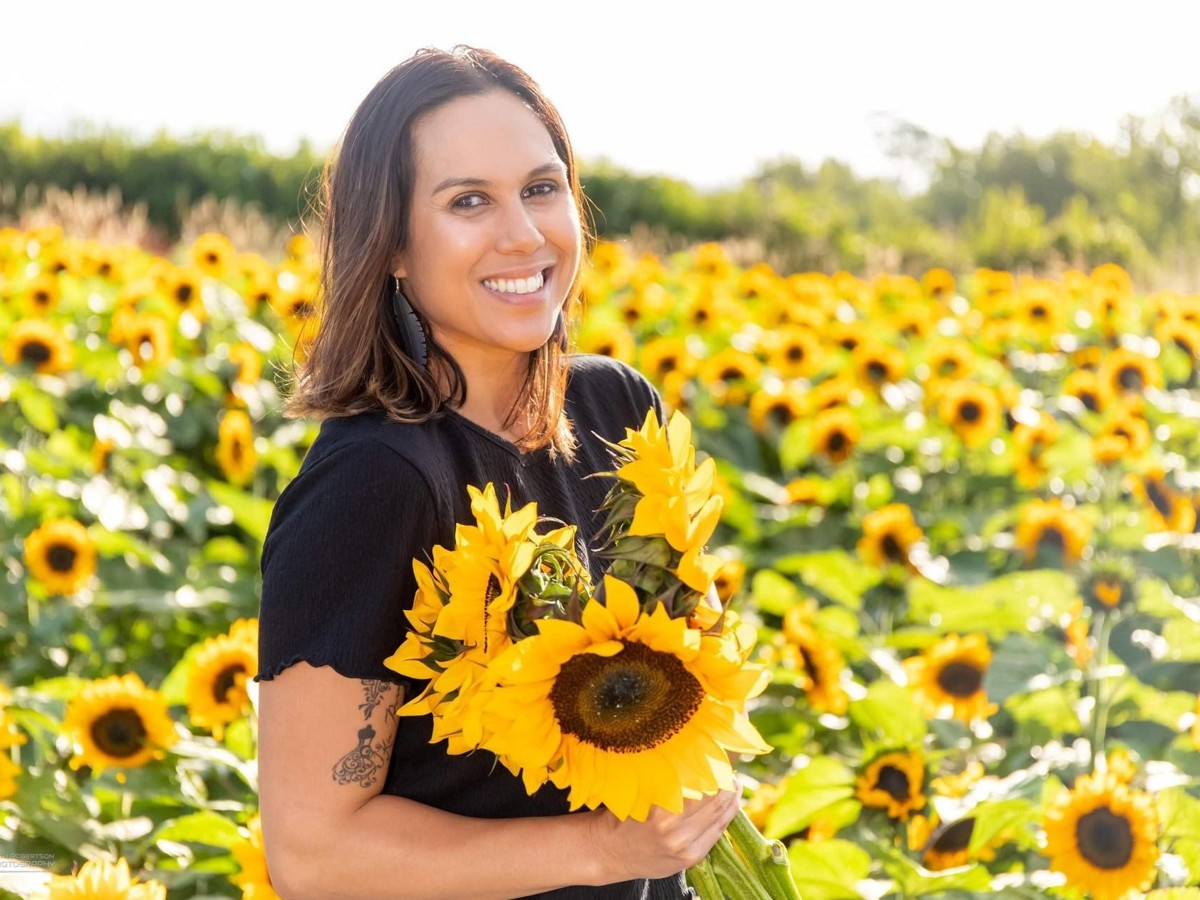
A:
(399, 265)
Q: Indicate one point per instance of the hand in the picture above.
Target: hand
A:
(666, 843)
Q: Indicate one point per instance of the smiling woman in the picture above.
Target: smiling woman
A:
(452, 243)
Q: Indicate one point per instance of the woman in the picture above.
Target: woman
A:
(452, 246)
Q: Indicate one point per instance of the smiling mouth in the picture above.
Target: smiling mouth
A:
(529, 285)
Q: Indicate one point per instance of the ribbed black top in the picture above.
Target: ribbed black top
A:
(373, 494)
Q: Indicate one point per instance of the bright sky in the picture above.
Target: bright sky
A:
(704, 91)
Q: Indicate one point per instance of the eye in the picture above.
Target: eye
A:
(468, 201)
(543, 189)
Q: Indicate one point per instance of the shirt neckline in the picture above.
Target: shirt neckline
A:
(524, 458)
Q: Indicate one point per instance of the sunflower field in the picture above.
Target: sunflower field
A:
(962, 512)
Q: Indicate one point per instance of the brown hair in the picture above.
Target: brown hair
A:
(356, 361)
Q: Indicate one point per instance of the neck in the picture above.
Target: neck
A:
(492, 388)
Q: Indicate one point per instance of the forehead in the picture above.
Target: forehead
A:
(480, 136)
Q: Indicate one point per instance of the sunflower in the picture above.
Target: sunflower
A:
(949, 359)
(1124, 436)
(37, 343)
(832, 393)
(1126, 371)
(1112, 277)
(1102, 835)
(1047, 526)
(849, 336)
(1040, 308)
(118, 722)
(949, 675)
(729, 577)
(949, 846)
(817, 664)
(938, 284)
(889, 534)
(1169, 509)
(730, 375)
(912, 321)
(1088, 357)
(216, 685)
(1087, 388)
(665, 356)
(260, 290)
(212, 253)
(627, 710)
(182, 284)
(41, 294)
(1031, 440)
(835, 433)
(878, 363)
(147, 337)
(251, 855)
(793, 351)
(611, 339)
(711, 259)
(972, 410)
(61, 556)
(235, 447)
(1183, 337)
(893, 781)
(98, 879)
(773, 409)
(248, 362)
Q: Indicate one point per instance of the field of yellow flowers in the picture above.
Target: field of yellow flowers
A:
(964, 514)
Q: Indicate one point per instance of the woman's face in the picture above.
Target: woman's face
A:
(494, 235)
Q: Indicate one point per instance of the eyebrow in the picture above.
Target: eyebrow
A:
(550, 168)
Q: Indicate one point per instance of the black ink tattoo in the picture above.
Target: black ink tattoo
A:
(363, 764)
(375, 691)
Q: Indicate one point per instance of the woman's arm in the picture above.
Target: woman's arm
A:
(324, 746)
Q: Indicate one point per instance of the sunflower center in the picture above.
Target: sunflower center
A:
(226, 680)
(35, 352)
(61, 557)
(970, 411)
(730, 373)
(1130, 378)
(960, 679)
(1038, 312)
(954, 837)
(836, 442)
(795, 353)
(892, 549)
(1090, 400)
(876, 371)
(1157, 494)
(490, 593)
(302, 309)
(41, 298)
(666, 364)
(119, 733)
(627, 703)
(893, 782)
(183, 293)
(947, 367)
(1105, 839)
(1053, 538)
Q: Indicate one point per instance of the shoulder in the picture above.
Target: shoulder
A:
(607, 395)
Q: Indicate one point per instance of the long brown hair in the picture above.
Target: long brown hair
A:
(356, 361)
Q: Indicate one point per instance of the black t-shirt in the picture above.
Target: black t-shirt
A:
(372, 495)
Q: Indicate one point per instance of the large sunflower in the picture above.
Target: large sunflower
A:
(878, 363)
(36, 343)
(793, 351)
(775, 409)
(889, 534)
(61, 555)
(949, 676)
(41, 294)
(626, 710)
(835, 433)
(1126, 371)
(817, 664)
(1049, 527)
(118, 722)
(972, 410)
(893, 781)
(949, 359)
(1102, 835)
(235, 447)
(182, 285)
(216, 684)
(98, 879)
(251, 854)
(213, 254)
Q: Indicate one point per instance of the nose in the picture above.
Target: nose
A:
(519, 232)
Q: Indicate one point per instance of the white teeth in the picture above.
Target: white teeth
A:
(515, 285)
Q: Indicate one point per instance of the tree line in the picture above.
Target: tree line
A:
(1015, 202)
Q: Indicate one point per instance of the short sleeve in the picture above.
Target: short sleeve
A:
(337, 562)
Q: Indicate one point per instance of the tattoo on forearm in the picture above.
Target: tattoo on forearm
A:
(363, 764)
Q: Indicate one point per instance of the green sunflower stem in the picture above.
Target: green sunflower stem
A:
(1099, 724)
(703, 880)
(736, 876)
(761, 866)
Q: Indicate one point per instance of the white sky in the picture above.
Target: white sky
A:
(701, 90)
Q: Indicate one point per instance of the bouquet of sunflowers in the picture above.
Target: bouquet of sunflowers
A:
(629, 694)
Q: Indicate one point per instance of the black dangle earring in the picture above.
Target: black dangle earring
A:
(412, 335)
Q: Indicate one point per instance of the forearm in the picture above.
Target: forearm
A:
(395, 848)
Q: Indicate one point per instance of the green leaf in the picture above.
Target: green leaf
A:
(914, 881)
(999, 607)
(37, 408)
(994, 817)
(1179, 814)
(824, 782)
(251, 514)
(828, 870)
(772, 593)
(888, 714)
(204, 827)
(835, 573)
(1017, 665)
